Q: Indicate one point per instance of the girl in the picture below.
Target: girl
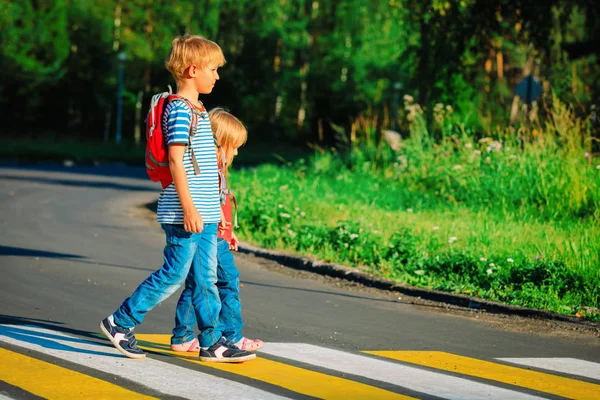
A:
(230, 133)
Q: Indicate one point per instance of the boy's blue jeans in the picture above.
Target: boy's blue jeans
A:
(185, 254)
(231, 310)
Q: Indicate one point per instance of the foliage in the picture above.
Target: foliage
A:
(508, 218)
(295, 69)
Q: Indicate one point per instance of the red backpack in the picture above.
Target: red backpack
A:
(157, 156)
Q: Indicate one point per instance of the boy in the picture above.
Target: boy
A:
(188, 211)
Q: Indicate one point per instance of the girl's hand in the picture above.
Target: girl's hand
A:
(234, 242)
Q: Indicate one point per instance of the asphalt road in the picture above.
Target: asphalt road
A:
(74, 244)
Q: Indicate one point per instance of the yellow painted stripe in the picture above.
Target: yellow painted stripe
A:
(53, 382)
(540, 381)
(292, 378)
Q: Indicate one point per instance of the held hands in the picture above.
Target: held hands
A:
(192, 221)
(234, 242)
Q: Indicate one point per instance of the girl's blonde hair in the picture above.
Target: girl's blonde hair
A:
(230, 133)
(192, 49)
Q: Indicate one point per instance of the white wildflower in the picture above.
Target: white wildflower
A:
(449, 108)
(452, 239)
(483, 259)
(409, 210)
(297, 209)
(419, 272)
(291, 233)
(477, 152)
(280, 205)
(302, 213)
(513, 156)
(488, 160)
(285, 215)
(510, 260)
(353, 235)
(492, 265)
(457, 167)
(284, 187)
(469, 145)
(435, 228)
(598, 166)
(489, 271)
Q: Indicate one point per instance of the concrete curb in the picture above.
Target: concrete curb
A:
(355, 275)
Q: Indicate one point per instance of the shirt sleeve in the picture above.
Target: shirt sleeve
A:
(178, 122)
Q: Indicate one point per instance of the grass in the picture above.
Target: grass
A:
(512, 218)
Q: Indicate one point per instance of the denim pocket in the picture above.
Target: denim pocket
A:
(175, 232)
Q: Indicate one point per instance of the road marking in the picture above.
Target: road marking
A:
(570, 366)
(539, 381)
(416, 379)
(51, 381)
(296, 379)
(160, 376)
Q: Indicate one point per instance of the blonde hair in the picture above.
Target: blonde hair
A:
(230, 133)
(192, 49)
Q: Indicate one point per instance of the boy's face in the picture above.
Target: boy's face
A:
(204, 77)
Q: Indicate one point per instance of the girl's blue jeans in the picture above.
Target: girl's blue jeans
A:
(186, 255)
(228, 283)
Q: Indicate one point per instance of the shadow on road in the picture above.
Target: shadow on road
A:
(115, 171)
(16, 328)
(81, 183)
(341, 294)
(23, 252)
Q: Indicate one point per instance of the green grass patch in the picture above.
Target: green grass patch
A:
(512, 219)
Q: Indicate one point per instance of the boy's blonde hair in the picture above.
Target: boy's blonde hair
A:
(192, 49)
(230, 132)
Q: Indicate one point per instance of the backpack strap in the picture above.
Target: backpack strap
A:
(196, 114)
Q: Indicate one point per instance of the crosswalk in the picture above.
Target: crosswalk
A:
(54, 364)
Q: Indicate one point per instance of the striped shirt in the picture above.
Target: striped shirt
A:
(204, 187)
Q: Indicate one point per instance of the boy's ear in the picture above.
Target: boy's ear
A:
(192, 70)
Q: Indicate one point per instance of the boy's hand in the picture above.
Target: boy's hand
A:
(234, 242)
(192, 221)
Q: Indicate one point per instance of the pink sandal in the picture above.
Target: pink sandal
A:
(249, 344)
(192, 346)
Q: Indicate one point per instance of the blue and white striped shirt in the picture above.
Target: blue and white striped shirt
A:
(204, 187)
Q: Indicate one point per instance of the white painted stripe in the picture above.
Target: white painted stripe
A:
(565, 365)
(5, 397)
(420, 380)
(161, 376)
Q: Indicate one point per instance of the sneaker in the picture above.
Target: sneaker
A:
(192, 346)
(225, 351)
(249, 344)
(122, 338)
